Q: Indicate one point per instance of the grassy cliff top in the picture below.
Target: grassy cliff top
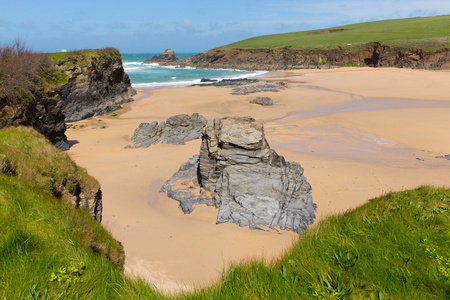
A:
(60, 57)
(429, 33)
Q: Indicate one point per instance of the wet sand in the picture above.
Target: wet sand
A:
(357, 132)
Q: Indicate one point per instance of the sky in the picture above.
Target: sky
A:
(184, 25)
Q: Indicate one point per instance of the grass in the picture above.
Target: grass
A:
(393, 247)
(61, 57)
(428, 33)
(32, 157)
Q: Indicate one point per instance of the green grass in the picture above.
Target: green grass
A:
(429, 33)
(393, 247)
(32, 157)
(48, 248)
(83, 54)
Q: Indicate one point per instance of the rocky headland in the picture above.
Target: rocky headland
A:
(371, 54)
(249, 183)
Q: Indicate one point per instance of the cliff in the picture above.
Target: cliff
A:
(97, 83)
(46, 90)
(27, 93)
(44, 113)
(370, 54)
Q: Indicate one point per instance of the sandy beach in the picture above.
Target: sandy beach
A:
(358, 133)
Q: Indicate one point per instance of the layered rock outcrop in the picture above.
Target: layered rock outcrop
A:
(244, 178)
(166, 58)
(97, 84)
(177, 130)
(371, 54)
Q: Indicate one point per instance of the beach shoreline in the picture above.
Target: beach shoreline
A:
(358, 133)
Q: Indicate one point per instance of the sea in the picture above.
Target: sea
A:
(155, 76)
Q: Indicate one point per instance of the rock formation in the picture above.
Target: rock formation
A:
(265, 101)
(244, 178)
(166, 58)
(177, 130)
(97, 85)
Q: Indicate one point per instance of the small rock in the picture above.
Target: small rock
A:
(266, 101)
(447, 156)
(208, 80)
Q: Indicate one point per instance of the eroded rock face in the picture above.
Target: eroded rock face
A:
(248, 182)
(177, 130)
(96, 88)
(45, 114)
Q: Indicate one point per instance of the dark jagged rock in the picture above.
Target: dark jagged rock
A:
(177, 130)
(258, 87)
(265, 101)
(96, 87)
(234, 82)
(248, 182)
(166, 58)
(208, 80)
(447, 156)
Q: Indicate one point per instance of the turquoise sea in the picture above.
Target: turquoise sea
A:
(153, 75)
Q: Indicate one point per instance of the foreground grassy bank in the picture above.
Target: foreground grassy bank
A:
(394, 247)
(429, 33)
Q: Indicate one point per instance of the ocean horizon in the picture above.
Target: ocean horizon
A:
(156, 76)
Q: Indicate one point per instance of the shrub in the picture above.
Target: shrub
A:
(21, 72)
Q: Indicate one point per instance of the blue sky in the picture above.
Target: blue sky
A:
(185, 26)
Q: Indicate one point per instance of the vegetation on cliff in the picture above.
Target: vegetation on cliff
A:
(429, 33)
(393, 247)
(23, 73)
(43, 90)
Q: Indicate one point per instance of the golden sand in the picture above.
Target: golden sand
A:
(357, 132)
